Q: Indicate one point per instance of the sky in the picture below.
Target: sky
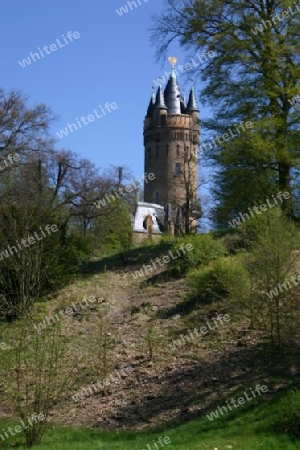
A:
(107, 58)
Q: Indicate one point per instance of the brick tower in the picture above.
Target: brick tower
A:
(171, 140)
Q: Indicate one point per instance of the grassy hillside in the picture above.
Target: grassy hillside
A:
(250, 428)
(170, 390)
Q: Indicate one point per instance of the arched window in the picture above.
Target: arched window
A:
(157, 198)
(177, 150)
(149, 153)
(156, 151)
(177, 169)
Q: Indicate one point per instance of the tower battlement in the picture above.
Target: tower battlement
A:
(170, 120)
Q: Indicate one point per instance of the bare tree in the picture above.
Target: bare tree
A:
(192, 210)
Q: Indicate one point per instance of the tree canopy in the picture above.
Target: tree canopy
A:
(254, 76)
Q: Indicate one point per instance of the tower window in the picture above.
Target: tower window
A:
(177, 169)
(157, 198)
(157, 150)
(167, 149)
(149, 153)
(177, 150)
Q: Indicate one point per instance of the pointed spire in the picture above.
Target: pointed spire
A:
(172, 91)
(172, 96)
(153, 95)
(151, 104)
(192, 103)
(160, 99)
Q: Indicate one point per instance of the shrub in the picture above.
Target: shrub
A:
(205, 250)
(224, 278)
(288, 420)
(61, 260)
(272, 261)
(36, 367)
(234, 242)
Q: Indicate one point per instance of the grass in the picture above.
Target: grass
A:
(250, 427)
(120, 259)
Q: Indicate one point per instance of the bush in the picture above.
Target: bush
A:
(272, 262)
(113, 229)
(288, 420)
(225, 278)
(205, 250)
(35, 364)
(64, 255)
(234, 242)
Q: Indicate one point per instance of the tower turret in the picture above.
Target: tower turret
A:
(151, 104)
(192, 104)
(160, 100)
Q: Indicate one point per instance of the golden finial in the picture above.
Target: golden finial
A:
(173, 60)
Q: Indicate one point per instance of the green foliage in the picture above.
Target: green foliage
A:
(272, 240)
(288, 420)
(273, 231)
(253, 77)
(32, 270)
(234, 241)
(241, 181)
(205, 249)
(113, 229)
(40, 373)
(79, 248)
(62, 258)
(249, 428)
(226, 278)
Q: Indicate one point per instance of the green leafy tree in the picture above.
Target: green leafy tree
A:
(254, 76)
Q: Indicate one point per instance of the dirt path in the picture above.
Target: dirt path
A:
(165, 385)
